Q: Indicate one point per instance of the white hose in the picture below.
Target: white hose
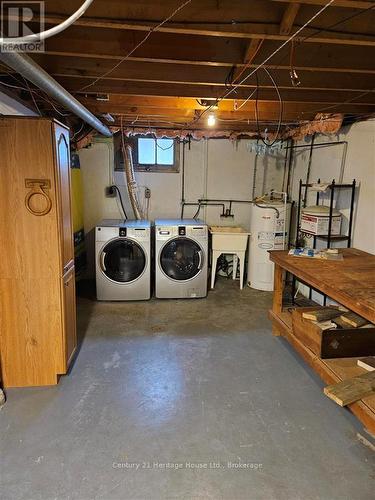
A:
(52, 31)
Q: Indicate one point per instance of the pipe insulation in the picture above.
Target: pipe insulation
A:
(30, 70)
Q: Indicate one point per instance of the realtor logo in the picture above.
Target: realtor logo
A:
(20, 22)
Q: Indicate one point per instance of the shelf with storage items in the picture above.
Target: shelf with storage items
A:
(351, 283)
(329, 237)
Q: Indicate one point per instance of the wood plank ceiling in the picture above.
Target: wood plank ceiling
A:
(208, 45)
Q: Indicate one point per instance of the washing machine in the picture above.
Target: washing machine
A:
(123, 260)
(181, 258)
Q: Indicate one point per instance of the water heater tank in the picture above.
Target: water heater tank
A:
(269, 229)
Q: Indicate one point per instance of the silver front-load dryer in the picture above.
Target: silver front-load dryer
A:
(123, 260)
(181, 254)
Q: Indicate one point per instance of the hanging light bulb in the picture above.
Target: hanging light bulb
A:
(211, 120)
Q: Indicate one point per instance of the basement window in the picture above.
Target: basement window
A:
(156, 155)
(151, 154)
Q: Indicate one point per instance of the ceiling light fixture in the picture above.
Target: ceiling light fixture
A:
(211, 120)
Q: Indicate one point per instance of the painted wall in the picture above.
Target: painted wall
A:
(213, 169)
(221, 169)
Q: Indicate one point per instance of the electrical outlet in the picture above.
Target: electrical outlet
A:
(110, 192)
(147, 192)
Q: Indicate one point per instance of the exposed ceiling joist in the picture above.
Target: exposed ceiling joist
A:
(204, 63)
(289, 17)
(266, 31)
(192, 55)
(206, 76)
(350, 4)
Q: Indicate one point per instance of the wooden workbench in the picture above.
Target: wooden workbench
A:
(351, 282)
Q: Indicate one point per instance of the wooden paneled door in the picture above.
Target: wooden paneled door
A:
(64, 191)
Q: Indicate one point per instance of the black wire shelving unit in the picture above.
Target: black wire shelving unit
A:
(329, 237)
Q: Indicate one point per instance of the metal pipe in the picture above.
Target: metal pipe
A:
(24, 65)
(317, 145)
(309, 169)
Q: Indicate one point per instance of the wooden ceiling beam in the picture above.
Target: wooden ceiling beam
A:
(289, 17)
(221, 84)
(171, 61)
(350, 4)
(266, 31)
(210, 92)
(136, 103)
(196, 75)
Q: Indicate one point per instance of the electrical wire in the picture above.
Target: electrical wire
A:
(301, 41)
(268, 58)
(121, 202)
(247, 99)
(166, 148)
(198, 210)
(32, 97)
(78, 131)
(33, 91)
(149, 33)
(281, 109)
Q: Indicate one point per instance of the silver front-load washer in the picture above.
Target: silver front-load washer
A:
(181, 254)
(123, 260)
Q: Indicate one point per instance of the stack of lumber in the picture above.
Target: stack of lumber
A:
(335, 315)
(352, 389)
(331, 332)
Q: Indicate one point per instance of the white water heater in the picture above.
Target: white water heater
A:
(270, 221)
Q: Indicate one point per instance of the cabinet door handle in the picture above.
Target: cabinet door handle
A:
(38, 187)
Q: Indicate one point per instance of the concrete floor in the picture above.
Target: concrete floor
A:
(200, 385)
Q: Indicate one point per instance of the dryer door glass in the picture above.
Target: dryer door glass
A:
(123, 260)
(181, 259)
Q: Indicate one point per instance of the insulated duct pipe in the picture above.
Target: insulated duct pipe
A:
(26, 67)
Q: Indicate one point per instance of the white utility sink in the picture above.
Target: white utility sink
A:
(230, 240)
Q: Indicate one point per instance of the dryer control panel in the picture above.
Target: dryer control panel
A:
(166, 232)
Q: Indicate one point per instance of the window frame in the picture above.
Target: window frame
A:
(140, 167)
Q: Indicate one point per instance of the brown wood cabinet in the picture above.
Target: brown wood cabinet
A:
(37, 286)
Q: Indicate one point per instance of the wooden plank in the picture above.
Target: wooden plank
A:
(350, 282)
(331, 371)
(349, 4)
(322, 314)
(334, 97)
(248, 31)
(150, 78)
(352, 319)
(289, 17)
(188, 62)
(352, 390)
(367, 363)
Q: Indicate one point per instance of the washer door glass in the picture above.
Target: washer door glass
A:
(181, 259)
(123, 260)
